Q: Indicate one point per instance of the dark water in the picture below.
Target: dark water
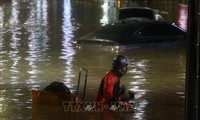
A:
(38, 46)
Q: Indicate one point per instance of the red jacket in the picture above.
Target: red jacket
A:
(109, 88)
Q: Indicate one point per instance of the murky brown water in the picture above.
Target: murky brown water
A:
(37, 46)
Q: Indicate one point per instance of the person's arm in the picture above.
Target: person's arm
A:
(109, 83)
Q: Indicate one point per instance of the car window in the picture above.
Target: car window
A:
(160, 30)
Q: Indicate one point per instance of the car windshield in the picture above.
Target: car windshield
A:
(114, 30)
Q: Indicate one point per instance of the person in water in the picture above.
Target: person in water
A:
(109, 89)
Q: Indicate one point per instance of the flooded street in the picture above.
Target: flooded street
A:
(38, 46)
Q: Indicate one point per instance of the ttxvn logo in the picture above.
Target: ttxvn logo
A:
(70, 106)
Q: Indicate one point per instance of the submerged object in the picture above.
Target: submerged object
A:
(134, 31)
(57, 92)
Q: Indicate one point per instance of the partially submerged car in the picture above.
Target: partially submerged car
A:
(136, 30)
(143, 12)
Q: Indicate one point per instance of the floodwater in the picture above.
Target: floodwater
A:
(38, 46)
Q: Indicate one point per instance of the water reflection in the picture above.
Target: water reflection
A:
(138, 73)
(14, 44)
(37, 36)
(109, 11)
(67, 50)
(183, 16)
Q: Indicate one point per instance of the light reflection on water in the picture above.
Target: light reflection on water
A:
(139, 75)
(67, 50)
(37, 39)
(37, 46)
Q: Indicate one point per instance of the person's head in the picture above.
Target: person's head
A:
(119, 64)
